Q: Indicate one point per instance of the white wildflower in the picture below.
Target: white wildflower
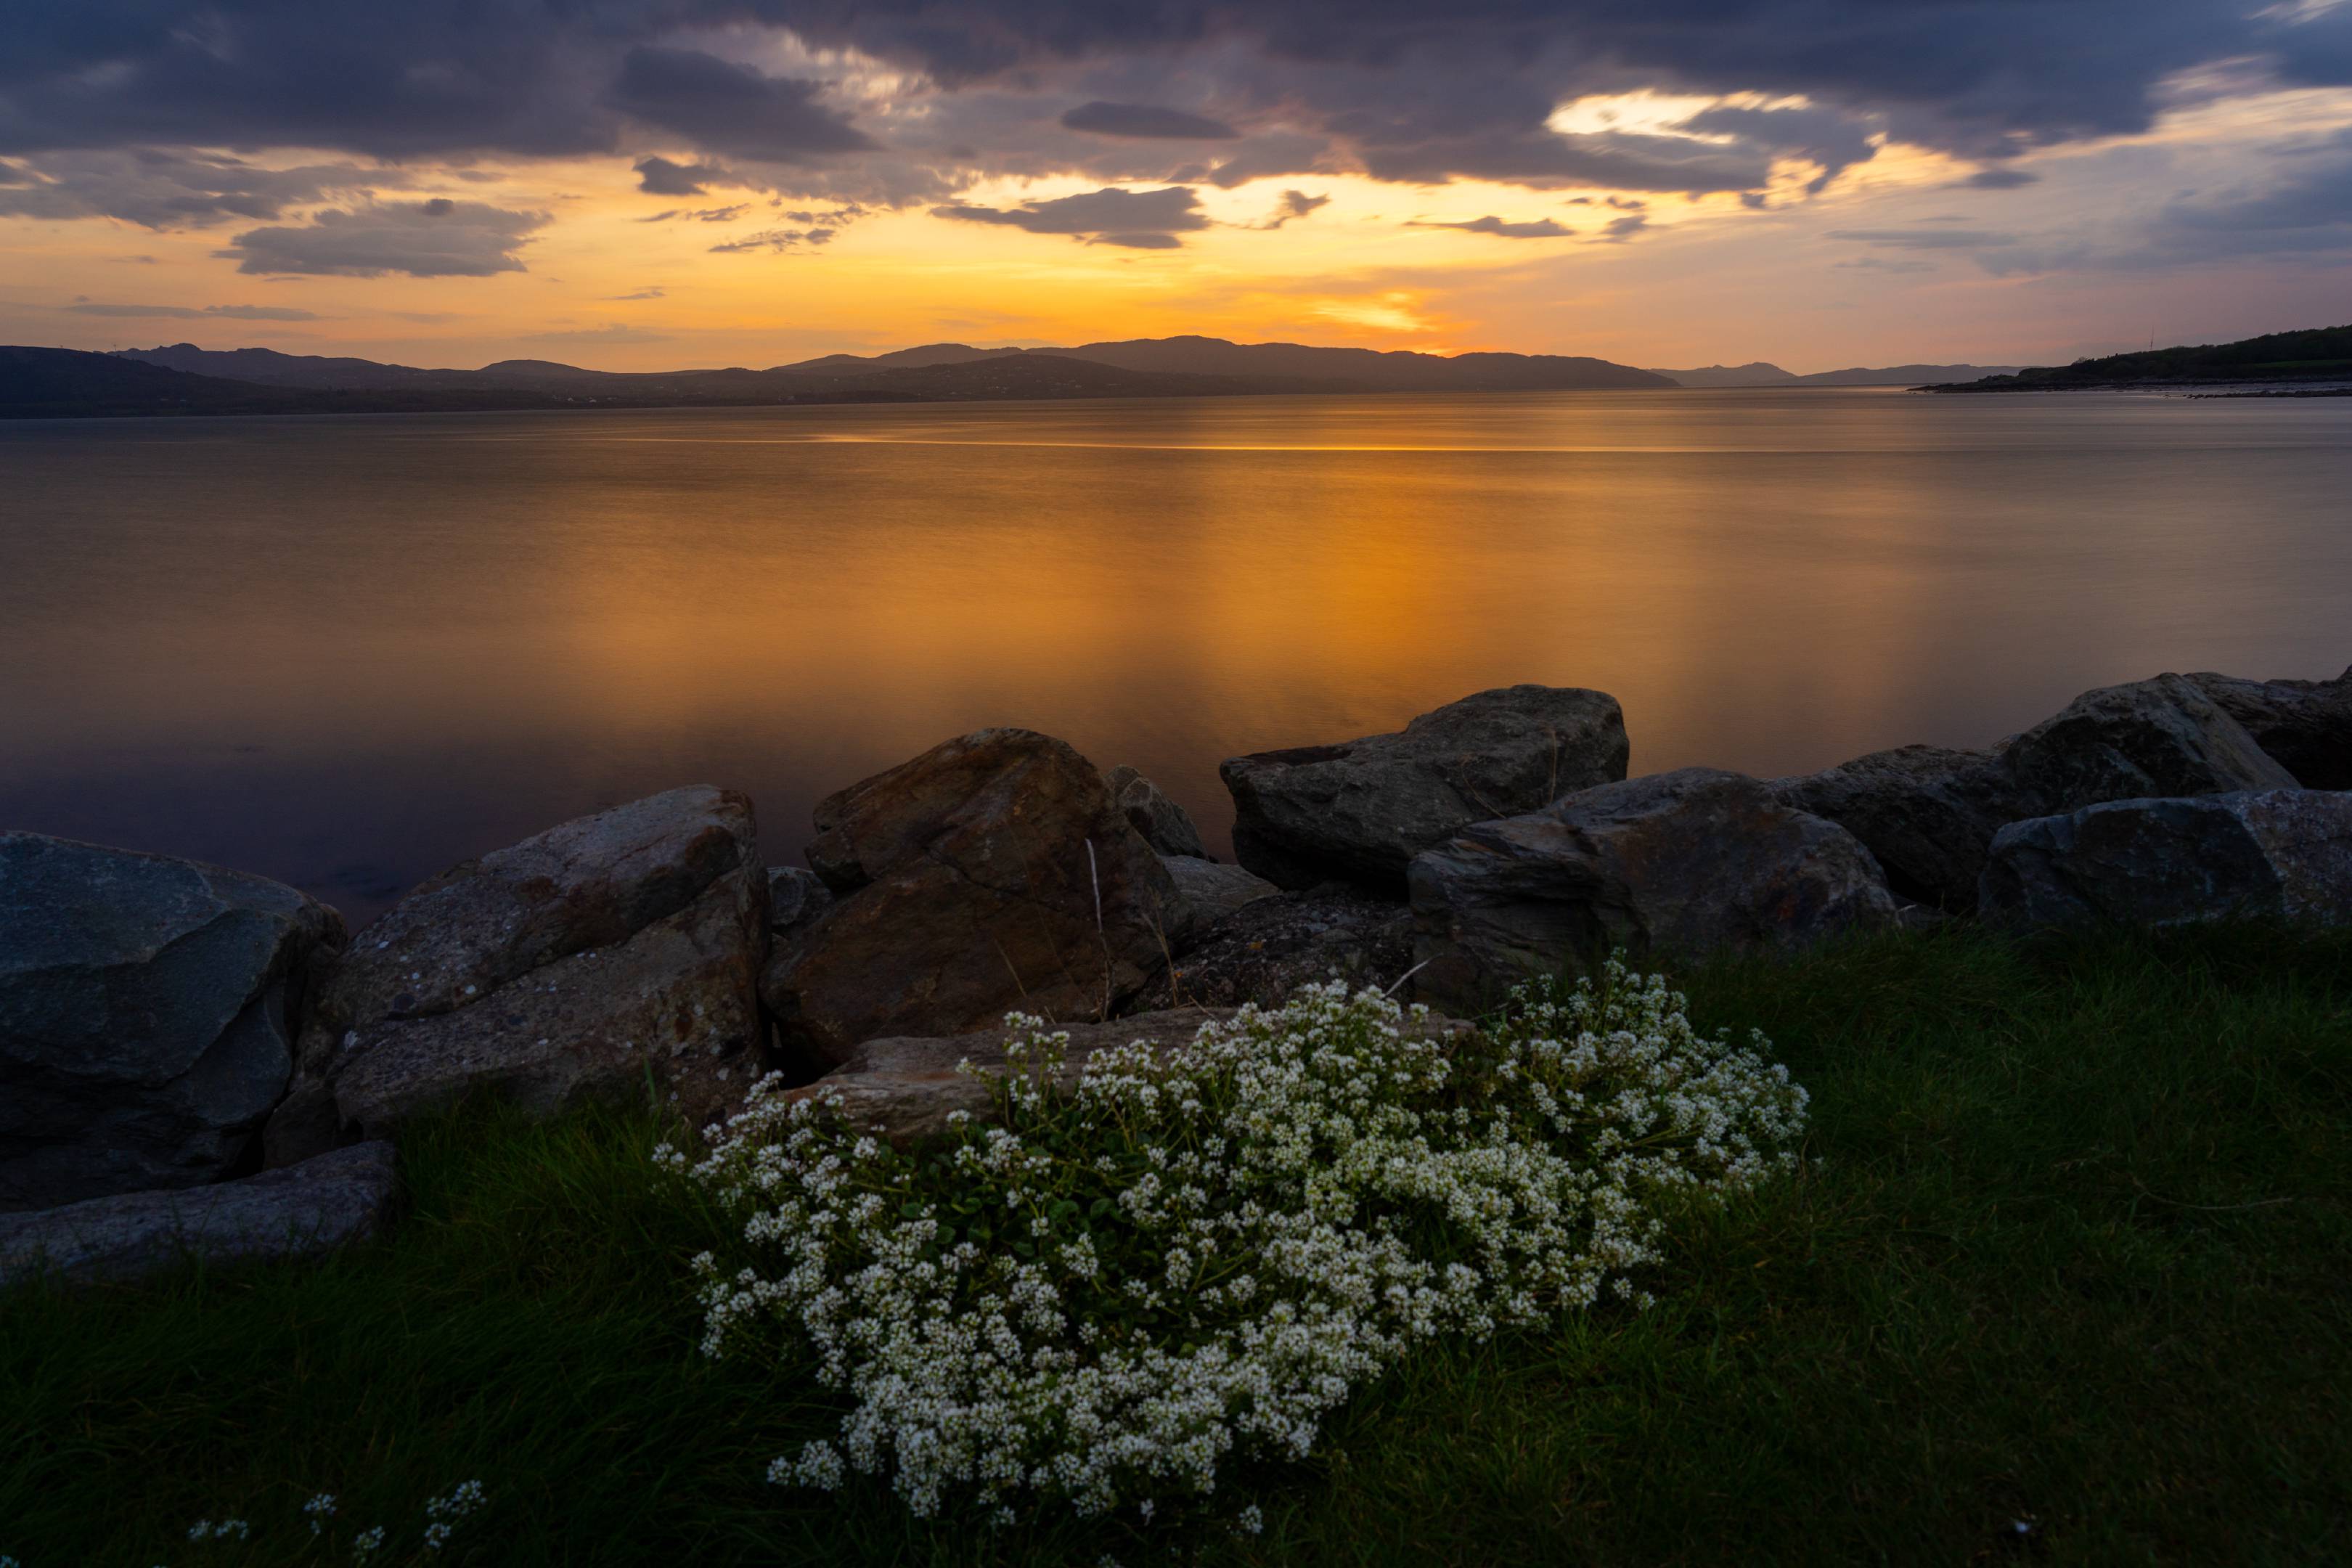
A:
(1179, 1256)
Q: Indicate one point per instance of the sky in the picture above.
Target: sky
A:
(655, 183)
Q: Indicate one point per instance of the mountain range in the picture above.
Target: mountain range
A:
(182, 378)
(2317, 354)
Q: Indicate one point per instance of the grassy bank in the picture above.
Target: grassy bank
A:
(2072, 1248)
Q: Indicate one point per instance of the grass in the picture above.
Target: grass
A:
(2072, 1248)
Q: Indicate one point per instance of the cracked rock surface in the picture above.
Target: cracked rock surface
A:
(579, 961)
(995, 871)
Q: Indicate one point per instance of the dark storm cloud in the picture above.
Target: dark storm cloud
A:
(1143, 120)
(1139, 220)
(730, 107)
(659, 177)
(161, 189)
(439, 238)
(1404, 89)
(1539, 229)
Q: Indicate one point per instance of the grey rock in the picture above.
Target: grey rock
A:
(1165, 826)
(2305, 726)
(147, 1015)
(301, 1211)
(795, 897)
(2283, 855)
(1928, 813)
(1210, 891)
(1363, 809)
(2158, 737)
(574, 963)
(906, 1088)
(1681, 864)
(992, 872)
(1268, 948)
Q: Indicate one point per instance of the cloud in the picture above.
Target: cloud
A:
(436, 239)
(1137, 220)
(730, 107)
(2307, 212)
(2000, 179)
(161, 189)
(1621, 229)
(1293, 205)
(1146, 121)
(1539, 229)
(1924, 238)
(658, 176)
(699, 215)
(188, 313)
(776, 240)
(653, 291)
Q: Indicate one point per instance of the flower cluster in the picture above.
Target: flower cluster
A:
(1192, 1252)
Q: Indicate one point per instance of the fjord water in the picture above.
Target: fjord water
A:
(349, 651)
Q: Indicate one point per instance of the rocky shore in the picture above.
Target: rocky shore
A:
(195, 1060)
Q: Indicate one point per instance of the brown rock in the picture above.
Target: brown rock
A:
(992, 872)
(1165, 826)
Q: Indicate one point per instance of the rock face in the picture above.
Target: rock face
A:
(2282, 854)
(2159, 737)
(1211, 891)
(1165, 826)
(992, 872)
(568, 965)
(147, 1009)
(301, 1211)
(1928, 813)
(1363, 810)
(1695, 861)
(2305, 726)
(1268, 948)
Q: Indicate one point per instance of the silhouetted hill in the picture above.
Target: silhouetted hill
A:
(898, 359)
(1760, 373)
(1365, 370)
(64, 383)
(2317, 353)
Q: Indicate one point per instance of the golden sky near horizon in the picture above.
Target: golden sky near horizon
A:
(1889, 251)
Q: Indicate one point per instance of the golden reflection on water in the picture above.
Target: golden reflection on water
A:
(349, 651)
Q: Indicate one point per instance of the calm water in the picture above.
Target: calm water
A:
(347, 652)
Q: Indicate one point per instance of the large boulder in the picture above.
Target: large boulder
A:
(301, 1211)
(1926, 813)
(571, 963)
(2283, 855)
(147, 1010)
(995, 871)
(1266, 948)
(1363, 809)
(2158, 737)
(1676, 865)
(2305, 726)
(1165, 826)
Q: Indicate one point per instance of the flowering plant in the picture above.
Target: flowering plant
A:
(1195, 1251)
